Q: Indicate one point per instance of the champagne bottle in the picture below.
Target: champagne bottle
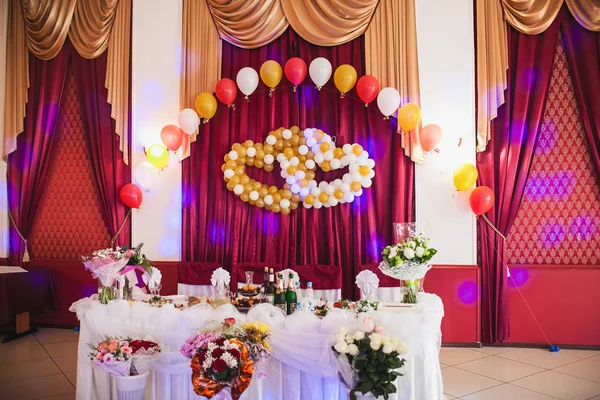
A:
(280, 294)
(270, 288)
(290, 296)
(265, 279)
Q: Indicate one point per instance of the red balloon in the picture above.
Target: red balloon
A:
(131, 195)
(172, 137)
(295, 70)
(367, 88)
(482, 200)
(430, 136)
(226, 90)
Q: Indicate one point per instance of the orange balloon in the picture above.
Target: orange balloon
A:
(357, 149)
(364, 170)
(323, 197)
(338, 153)
(355, 186)
(288, 153)
(324, 147)
(339, 194)
(409, 116)
(270, 73)
(309, 199)
(430, 136)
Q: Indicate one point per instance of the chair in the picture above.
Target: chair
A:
(326, 280)
(194, 278)
(238, 272)
(389, 288)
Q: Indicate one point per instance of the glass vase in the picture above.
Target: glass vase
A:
(409, 291)
(127, 291)
(108, 288)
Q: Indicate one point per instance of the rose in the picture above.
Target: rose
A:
(219, 365)
(419, 251)
(220, 341)
(229, 322)
(234, 352)
(409, 253)
(393, 252)
(367, 324)
(112, 347)
(411, 244)
(340, 338)
(216, 353)
(349, 338)
(388, 348)
(401, 347)
(359, 335)
(352, 349)
(99, 356)
(201, 356)
(375, 345)
(380, 329)
(342, 330)
(126, 350)
(341, 347)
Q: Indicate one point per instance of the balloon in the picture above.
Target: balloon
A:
(295, 71)
(482, 200)
(206, 105)
(131, 195)
(430, 136)
(158, 155)
(226, 91)
(409, 116)
(367, 88)
(188, 120)
(172, 137)
(388, 101)
(465, 176)
(320, 71)
(344, 78)
(145, 175)
(247, 81)
(270, 73)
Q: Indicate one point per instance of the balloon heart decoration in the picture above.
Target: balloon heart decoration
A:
(298, 154)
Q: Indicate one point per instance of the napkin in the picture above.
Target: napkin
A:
(152, 279)
(367, 282)
(220, 278)
(286, 276)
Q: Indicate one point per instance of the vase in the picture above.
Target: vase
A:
(131, 387)
(409, 289)
(108, 289)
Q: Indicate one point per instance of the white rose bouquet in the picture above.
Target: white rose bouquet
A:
(368, 360)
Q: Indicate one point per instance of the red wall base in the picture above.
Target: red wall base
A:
(565, 300)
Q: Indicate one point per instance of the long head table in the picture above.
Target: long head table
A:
(301, 367)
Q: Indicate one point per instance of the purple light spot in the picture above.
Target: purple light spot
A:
(519, 277)
(548, 138)
(583, 227)
(169, 246)
(216, 232)
(555, 186)
(468, 292)
(552, 234)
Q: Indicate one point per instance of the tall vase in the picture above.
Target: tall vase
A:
(409, 291)
(131, 387)
(108, 288)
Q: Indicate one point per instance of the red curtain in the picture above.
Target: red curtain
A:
(505, 165)
(219, 227)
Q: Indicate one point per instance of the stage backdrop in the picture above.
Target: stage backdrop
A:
(219, 227)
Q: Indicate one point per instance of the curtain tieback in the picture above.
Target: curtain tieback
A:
(25, 253)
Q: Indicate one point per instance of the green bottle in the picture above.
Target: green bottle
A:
(280, 294)
(290, 296)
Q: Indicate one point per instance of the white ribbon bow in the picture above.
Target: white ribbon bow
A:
(153, 279)
(220, 278)
(367, 282)
(286, 276)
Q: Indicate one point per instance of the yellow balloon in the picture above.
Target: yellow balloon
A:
(158, 155)
(206, 105)
(344, 78)
(409, 116)
(465, 176)
(270, 73)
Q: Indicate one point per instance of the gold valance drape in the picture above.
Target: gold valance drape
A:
(527, 16)
(93, 26)
(389, 27)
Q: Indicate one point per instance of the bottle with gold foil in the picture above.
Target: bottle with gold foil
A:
(280, 294)
(290, 296)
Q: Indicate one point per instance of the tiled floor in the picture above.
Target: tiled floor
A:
(43, 366)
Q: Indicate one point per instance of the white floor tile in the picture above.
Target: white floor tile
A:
(595, 358)
(540, 357)
(493, 350)
(10, 355)
(458, 355)
(52, 335)
(28, 369)
(505, 392)
(499, 368)
(581, 353)
(458, 382)
(28, 340)
(559, 385)
(61, 348)
(585, 369)
(36, 388)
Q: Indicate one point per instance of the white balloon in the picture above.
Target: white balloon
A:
(312, 184)
(347, 178)
(320, 71)
(352, 168)
(280, 157)
(310, 164)
(228, 173)
(319, 158)
(308, 133)
(269, 159)
(333, 201)
(323, 185)
(311, 141)
(370, 163)
(371, 174)
(317, 204)
(300, 175)
(268, 200)
(366, 182)
(271, 140)
(328, 155)
(349, 198)
(188, 120)
(284, 203)
(253, 195)
(286, 134)
(304, 192)
(283, 173)
(285, 164)
(356, 177)
(295, 188)
(233, 155)
(359, 193)
(388, 101)
(345, 187)
(329, 189)
(351, 158)
(250, 151)
(238, 189)
(315, 191)
(335, 163)
(247, 80)
(337, 183)
(347, 148)
(303, 149)
(146, 174)
(294, 161)
(291, 179)
(364, 155)
(306, 205)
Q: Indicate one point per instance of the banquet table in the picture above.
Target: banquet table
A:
(302, 365)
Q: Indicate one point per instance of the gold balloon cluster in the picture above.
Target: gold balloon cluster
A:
(298, 154)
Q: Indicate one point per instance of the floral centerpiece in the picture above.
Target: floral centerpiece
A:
(225, 355)
(409, 262)
(368, 360)
(361, 306)
(145, 353)
(137, 261)
(124, 356)
(105, 266)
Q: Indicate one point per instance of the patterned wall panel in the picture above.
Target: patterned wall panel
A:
(69, 221)
(559, 219)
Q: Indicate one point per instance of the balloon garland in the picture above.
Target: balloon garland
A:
(298, 154)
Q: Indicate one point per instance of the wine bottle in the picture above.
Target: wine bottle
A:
(270, 288)
(290, 296)
(280, 294)
(265, 280)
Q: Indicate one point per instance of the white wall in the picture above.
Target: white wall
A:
(3, 194)
(447, 77)
(156, 65)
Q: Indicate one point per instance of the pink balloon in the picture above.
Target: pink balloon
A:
(172, 137)
(430, 137)
(188, 120)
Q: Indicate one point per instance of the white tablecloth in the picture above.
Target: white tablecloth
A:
(301, 367)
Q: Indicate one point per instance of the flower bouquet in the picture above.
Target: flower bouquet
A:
(145, 353)
(105, 266)
(224, 355)
(137, 261)
(112, 354)
(408, 261)
(368, 360)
